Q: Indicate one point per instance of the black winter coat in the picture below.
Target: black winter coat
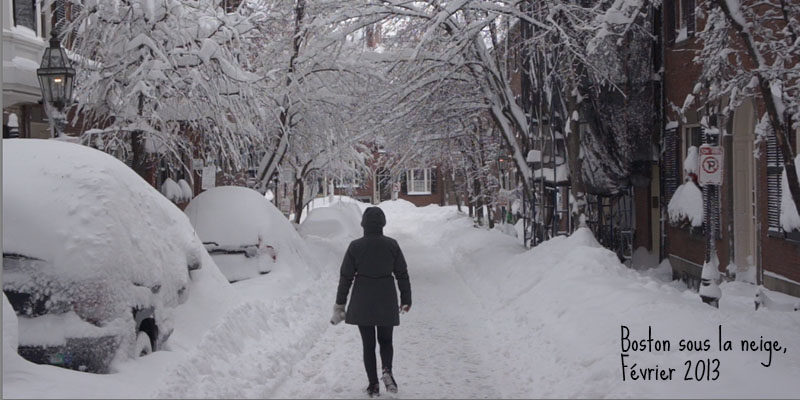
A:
(370, 261)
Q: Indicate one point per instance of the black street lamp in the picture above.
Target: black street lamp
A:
(56, 77)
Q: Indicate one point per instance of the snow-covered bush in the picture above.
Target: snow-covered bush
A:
(174, 191)
(686, 206)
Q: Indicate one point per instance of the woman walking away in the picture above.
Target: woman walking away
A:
(371, 261)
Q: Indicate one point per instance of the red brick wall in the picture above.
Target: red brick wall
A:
(686, 245)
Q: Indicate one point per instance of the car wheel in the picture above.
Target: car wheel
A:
(143, 344)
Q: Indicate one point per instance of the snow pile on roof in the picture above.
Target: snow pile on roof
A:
(790, 220)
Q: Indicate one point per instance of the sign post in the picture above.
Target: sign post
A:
(712, 159)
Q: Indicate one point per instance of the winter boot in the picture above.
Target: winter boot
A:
(374, 390)
(388, 380)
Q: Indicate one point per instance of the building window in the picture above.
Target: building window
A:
(692, 136)
(25, 13)
(354, 180)
(679, 23)
(419, 181)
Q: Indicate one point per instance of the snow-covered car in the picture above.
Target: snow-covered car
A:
(244, 233)
(94, 259)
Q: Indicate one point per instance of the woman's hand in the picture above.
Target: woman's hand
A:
(338, 314)
(404, 308)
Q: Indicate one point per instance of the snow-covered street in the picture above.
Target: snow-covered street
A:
(489, 320)
(439, 346)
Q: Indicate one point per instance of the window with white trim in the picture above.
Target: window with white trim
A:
(419, 181)
(685, 21)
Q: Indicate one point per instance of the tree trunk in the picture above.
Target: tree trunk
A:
(299, 192)
(270, 162)
(478, 200)
(577, 185)
(455, 191)
(139, 163)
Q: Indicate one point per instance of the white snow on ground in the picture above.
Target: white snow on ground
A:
(489, 319)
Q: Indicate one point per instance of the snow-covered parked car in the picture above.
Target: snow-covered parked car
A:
(94, 259)
(244, 233)
(339, 220)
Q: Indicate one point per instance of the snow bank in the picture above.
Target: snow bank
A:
(234, 216)
(559, 308)
(506, 229)
(396, 205)
(686, 204)
(790, 220)
(10, 335)
(643, 259)
(253, 349)
(98, 226)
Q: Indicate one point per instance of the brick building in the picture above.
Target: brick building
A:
(749, 235)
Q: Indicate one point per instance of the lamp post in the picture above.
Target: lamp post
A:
(56, 77)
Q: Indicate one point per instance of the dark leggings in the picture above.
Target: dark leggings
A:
(368, 340)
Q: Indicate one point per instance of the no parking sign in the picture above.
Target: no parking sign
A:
(711, 164)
